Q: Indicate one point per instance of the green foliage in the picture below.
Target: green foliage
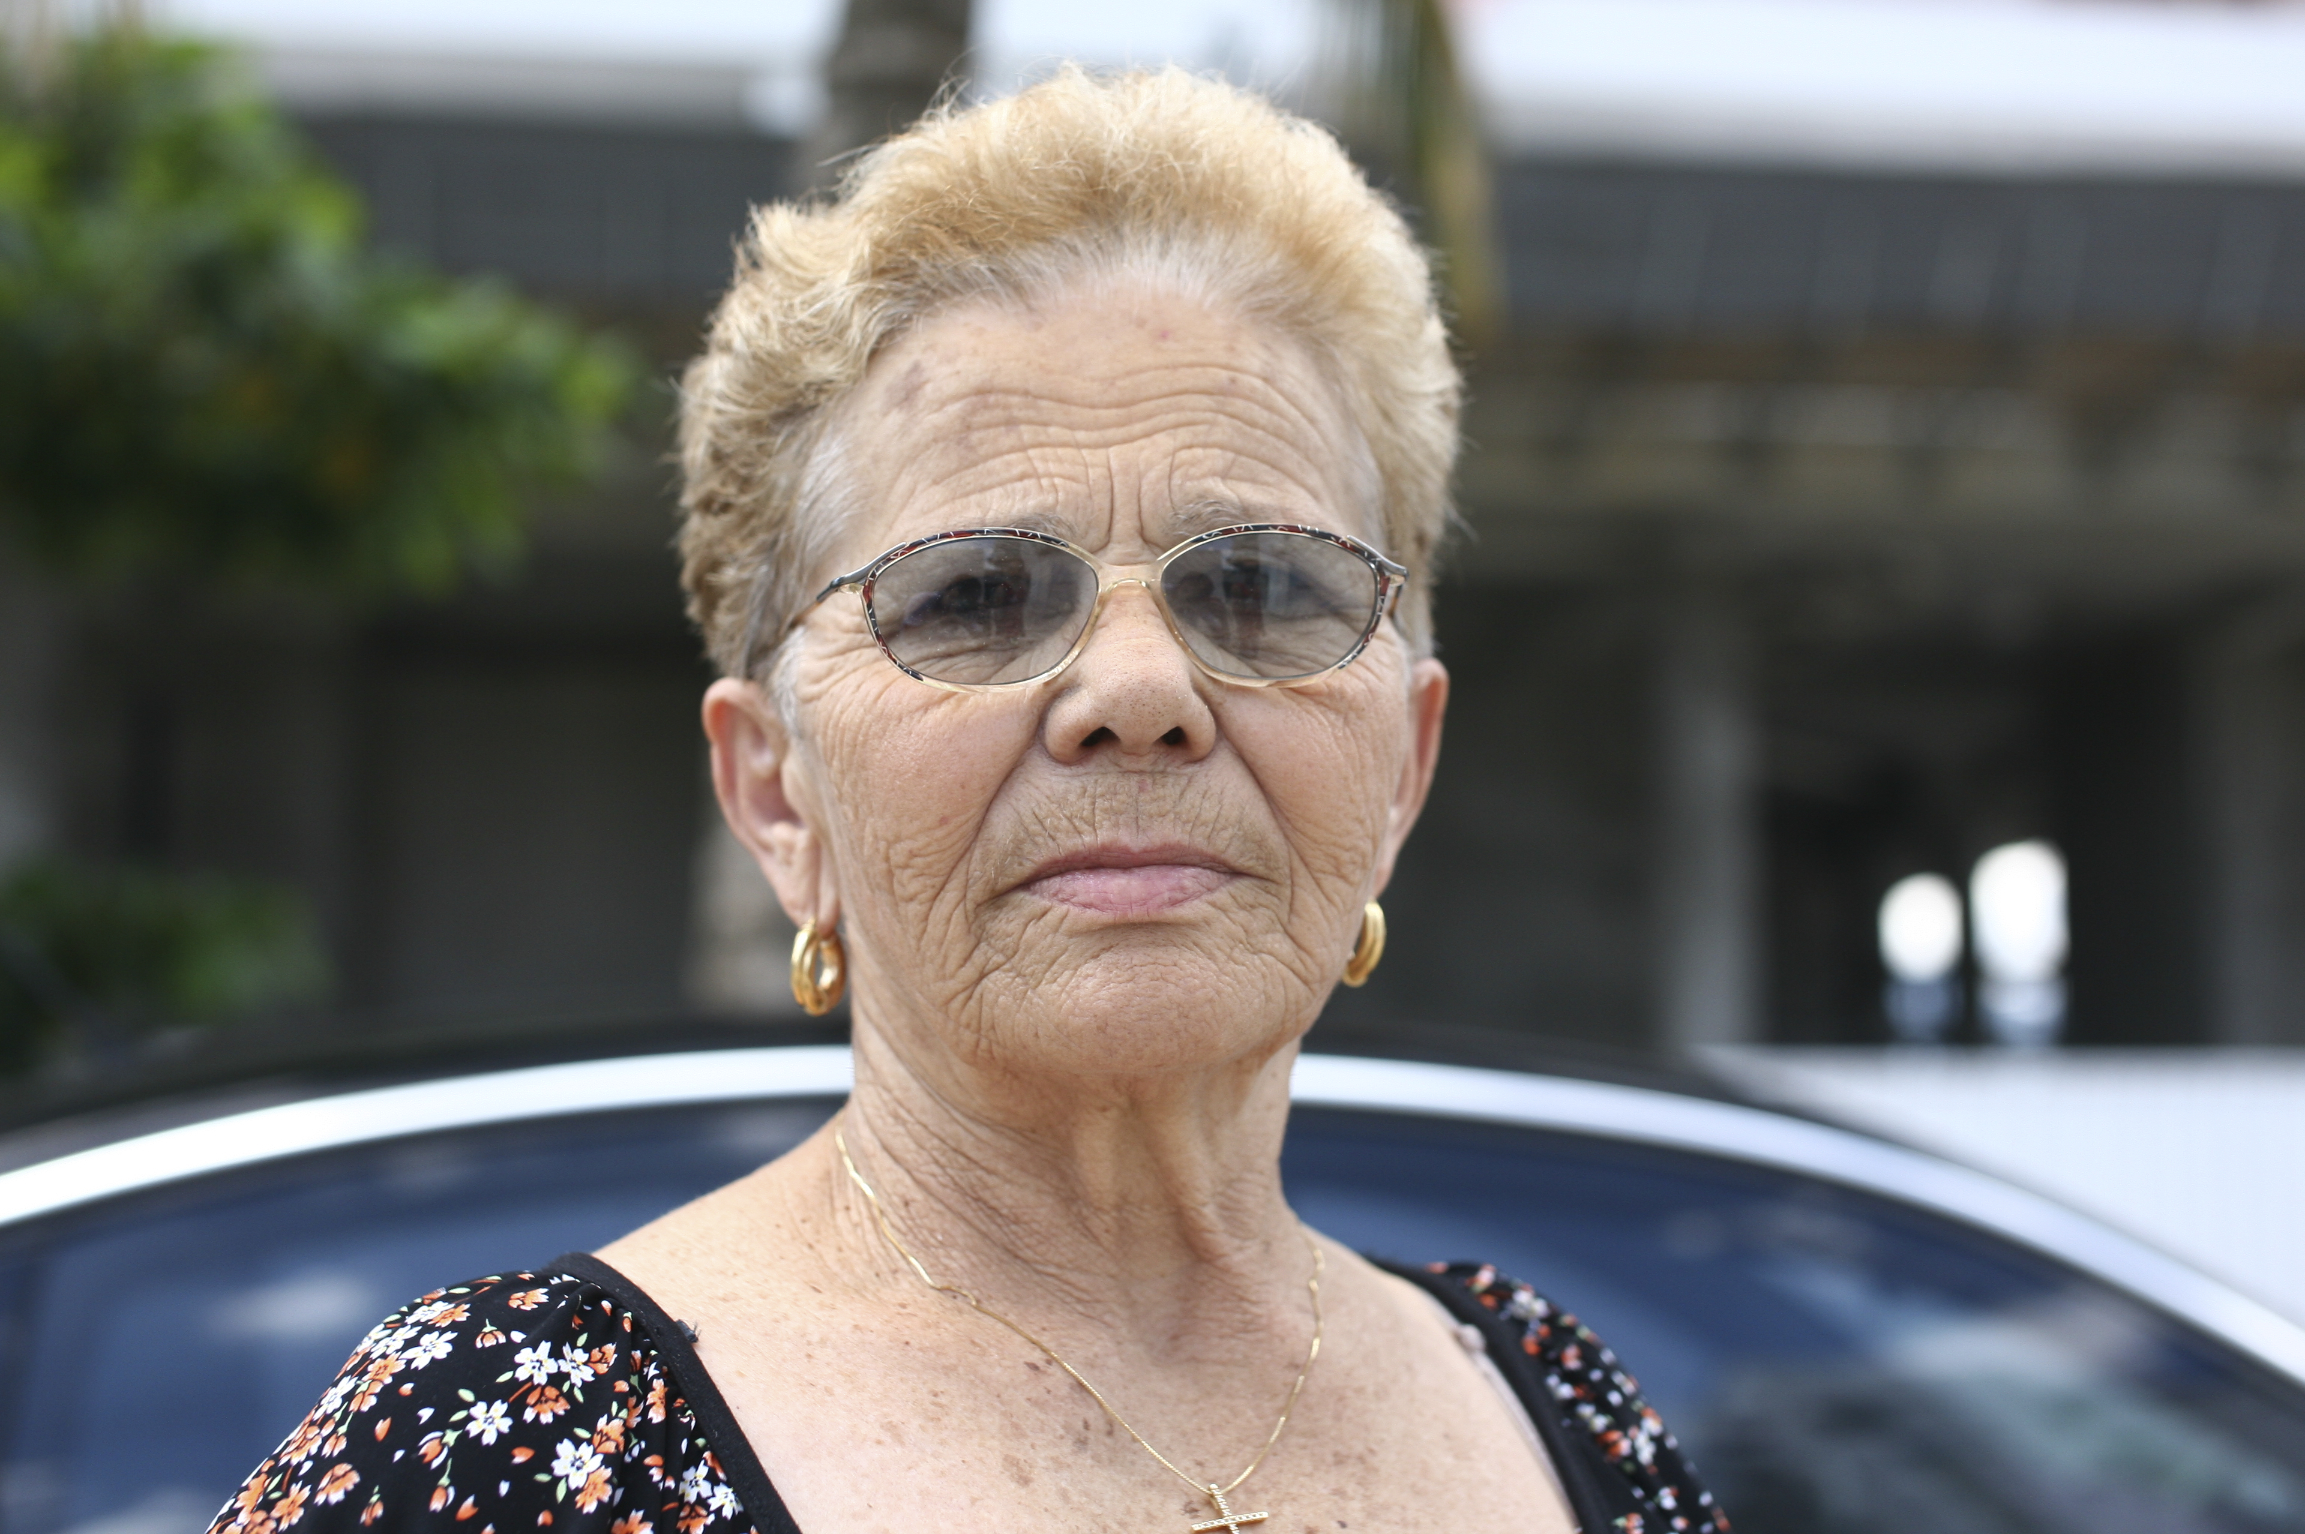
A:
(133, 949)
(204, 374)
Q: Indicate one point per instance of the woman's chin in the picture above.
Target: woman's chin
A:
(1124, 1013)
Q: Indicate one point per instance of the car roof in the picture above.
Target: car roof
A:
(1710, 1124)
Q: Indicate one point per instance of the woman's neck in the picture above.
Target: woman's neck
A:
(1154, 1201)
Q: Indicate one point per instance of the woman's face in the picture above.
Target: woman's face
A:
(1132, 867)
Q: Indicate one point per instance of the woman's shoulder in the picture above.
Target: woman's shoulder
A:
(1593, 1398)
(517, 1401)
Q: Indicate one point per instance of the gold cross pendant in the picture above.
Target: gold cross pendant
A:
(1226, 1518)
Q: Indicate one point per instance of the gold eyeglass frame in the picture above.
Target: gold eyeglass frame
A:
(1390, 578)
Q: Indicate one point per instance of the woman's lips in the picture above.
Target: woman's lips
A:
(1118, 881)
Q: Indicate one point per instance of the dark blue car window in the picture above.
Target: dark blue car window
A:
(1836, 1362)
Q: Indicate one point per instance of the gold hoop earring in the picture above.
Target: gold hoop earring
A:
(819, 969)
(1370, 948)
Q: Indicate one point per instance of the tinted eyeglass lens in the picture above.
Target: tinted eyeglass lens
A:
(978, 611)
(1271, 605)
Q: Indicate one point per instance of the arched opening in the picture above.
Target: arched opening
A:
(1921, 936)
(2017, 918)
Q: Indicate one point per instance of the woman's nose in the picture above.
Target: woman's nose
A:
(1133, 689)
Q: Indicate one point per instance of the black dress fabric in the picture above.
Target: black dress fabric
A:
(567, 1400)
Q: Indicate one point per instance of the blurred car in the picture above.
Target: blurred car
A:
(1848, 1335)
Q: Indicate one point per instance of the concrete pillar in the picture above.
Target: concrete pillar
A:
(2122, 727)
(1708, 834)
(2250, 770)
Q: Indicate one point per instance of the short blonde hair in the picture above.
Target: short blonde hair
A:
(1166, 176)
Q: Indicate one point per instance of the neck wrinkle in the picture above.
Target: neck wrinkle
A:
(1156, 1215)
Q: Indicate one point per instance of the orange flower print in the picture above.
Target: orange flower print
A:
(545, 1405)
(290, 1507)
(608, 1438)
(526, 1299)
(595, 1490)
(489, 1337)
(251, 1496)
(441, 1496)
(302, 1442)
(339, 1479)
(632, 1523)
(433, 1446)
(373, 1381)
(690, 1518)
(656, 1398)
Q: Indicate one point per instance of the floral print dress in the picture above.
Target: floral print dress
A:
(567, 1400)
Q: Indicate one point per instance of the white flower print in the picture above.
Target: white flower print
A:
(490, 1420)
(695, 1483)
(723, 1501)
(429, 1349)
(534, 1365)
(574, 1461)
(577, 1365)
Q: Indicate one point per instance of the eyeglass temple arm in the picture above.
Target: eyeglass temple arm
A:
(837, 583)
(1396, 579)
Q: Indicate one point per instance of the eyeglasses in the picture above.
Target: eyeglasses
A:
(1267, 604)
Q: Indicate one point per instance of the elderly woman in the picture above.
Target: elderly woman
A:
(1060, 506)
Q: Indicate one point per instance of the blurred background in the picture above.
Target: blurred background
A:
(1878, 628)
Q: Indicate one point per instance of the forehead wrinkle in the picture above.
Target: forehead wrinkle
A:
(1194, 489)
(1013, 487)
(1197, 421)
(1265, 405)
(1038, 445)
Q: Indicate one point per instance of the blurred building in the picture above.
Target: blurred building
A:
(1825, 526)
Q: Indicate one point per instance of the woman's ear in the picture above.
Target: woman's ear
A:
(1428, 703)
(762, 792)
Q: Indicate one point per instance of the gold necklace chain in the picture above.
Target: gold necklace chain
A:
(1227, 1519)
